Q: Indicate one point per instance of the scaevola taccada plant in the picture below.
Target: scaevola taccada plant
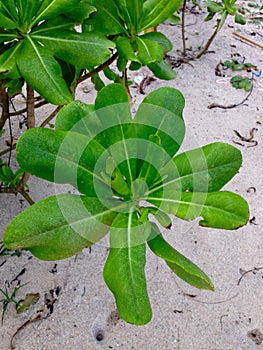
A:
(126, 172)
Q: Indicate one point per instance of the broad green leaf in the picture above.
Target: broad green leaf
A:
(223, 209)
(36, 62)
(157, 11)
(214, 6)
(74, 117)
(178, 263)
(54, 24)
(62, 157)
(162, 70)
(80, 12)
(51, 230)
(160, 114)
(8, 62)
(53, 8)
(6, 19)
(80, 49)
(131, 11)
(205, 169)
(125, 49)
(106, 20)
(167, 98)
(159, 38)
(124, 270)
(9, 8)
(113, 94)
(27, 9)
(148, 51)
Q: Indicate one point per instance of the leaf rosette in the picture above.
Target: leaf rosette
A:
(126, 170)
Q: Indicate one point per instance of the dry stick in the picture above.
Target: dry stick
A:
(252, 270)
(37, 105)
(7, 150)
(216, 105)
(31, 123)
(251, 41)
(20, 188)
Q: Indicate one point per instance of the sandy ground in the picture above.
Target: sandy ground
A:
(84, 315)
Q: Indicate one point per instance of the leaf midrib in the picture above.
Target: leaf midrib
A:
(68, 41)
(173, 181)
(193, 204)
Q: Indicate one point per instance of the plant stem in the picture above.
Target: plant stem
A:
(51, 116)
(37, 105)
(183, 28)
(27, 197)
(99, 68)
(5, 105)
(30, 107)
(209, 42)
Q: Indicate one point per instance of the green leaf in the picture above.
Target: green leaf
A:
(97, 82)
(35, 61)
(131, 12)
(61, 232)
(162, 70)
(74, 117)
(174, 19)
(80, 49)
(159, 38)
(127, 260)
(240, 19)
(223, 209)
(80, 12)
(161, 114)
(157, 11)
(6, 19)
(213, 6)
(106, 20)
(8, 62)
(63, 157)
(178, 263)
(26, 11)
(125, 49)
(205, 169)
(52, 8)
(148, 51)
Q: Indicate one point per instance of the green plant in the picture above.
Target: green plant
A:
(53, 45)
(219, 9)
(239, 82)
(8, 299)
(126, 171)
